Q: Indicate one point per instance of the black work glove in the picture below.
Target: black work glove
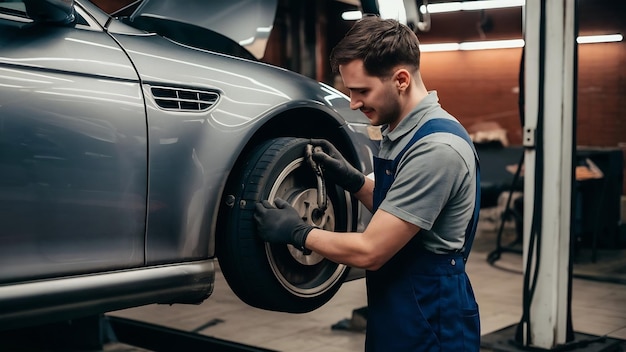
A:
(336, 168)
(281, 224)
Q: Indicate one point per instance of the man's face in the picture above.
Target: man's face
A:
(377, 98)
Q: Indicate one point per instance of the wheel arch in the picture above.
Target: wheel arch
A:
(302, 122)
(298, 123)
(305, 122)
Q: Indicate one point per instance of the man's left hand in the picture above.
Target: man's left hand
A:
(281, 224)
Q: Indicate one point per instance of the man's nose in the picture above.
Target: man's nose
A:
(355, 103)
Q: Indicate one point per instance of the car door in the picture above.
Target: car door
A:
(73, 149)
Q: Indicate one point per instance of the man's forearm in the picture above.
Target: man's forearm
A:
(365, 194)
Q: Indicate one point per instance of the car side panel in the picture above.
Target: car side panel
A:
(191, 152)
(73, 154)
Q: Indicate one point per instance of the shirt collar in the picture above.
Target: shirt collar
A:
(413, 118)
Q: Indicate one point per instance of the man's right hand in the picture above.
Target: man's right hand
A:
(336, 168)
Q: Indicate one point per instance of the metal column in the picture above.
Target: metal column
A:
(548, 136)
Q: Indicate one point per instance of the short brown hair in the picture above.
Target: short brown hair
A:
(382, 44)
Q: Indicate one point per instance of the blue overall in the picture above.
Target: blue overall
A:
(419, 300)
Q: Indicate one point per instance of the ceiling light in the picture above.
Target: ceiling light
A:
(480, 45)
(426, 48)
(492, 44)
(470, 5)
(512, 43)
(351, 15)
(392, 9)
(599, 38)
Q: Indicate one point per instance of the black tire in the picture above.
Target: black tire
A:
(278, 277)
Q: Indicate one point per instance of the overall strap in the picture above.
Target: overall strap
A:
(454, 127)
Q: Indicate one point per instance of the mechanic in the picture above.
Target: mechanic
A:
(423, 199)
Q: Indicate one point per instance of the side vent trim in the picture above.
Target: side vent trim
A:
(183, 99)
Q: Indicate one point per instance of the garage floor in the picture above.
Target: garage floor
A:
(598, 307)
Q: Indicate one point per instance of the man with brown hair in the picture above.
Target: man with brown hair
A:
(424, 199)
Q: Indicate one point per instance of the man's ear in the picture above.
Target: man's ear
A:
(402, 78)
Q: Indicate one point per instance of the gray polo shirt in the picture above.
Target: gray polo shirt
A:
(435, 183)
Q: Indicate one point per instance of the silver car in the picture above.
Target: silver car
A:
(133, 149)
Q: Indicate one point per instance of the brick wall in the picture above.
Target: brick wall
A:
(602, 94)
(479, 86)
(482, 86)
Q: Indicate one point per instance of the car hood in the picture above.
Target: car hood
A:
(246, 22)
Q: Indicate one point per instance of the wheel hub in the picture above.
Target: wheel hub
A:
(305, 202)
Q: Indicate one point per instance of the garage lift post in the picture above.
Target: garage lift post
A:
(550, 86)
(550, 65)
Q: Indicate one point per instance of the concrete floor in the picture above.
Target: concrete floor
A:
(598, 308)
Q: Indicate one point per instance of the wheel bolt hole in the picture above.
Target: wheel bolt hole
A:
(317, 216)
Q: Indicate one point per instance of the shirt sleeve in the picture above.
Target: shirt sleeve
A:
(428, 175)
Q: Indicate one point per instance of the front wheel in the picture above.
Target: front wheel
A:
(279, 277)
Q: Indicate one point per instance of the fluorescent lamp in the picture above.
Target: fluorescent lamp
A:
(481, 45)
(470, 5)
(395, 8)
(351, 15)
(599, 38)
(512, 43)
(425, 48)
(388, 9)
(492, 44)
(392, 9)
